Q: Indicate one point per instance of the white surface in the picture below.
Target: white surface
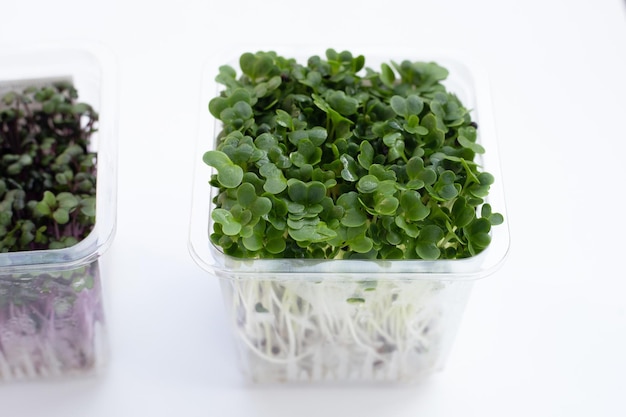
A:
(545, 336)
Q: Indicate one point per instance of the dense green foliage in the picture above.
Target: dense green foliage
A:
(47, 174)
(330, 159)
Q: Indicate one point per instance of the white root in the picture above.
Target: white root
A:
(334, 331)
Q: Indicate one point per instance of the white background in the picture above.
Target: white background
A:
(544, 336)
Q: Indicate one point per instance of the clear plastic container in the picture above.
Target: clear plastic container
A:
(51, 314)
(390, 321)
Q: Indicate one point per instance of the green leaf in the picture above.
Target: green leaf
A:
(366, 156)
(463, 213)
(343, 104)
(275, 180)
(305, 193)
(229, 225)
(428, 251)
(361, 244)
(391, 139)
(256, 65)
(42, 209)
(445, 187)
(228, 174)
(485, 178)
(481, 225)
(414, 105)
(481, 240)
(297, 191)
(367, 184)
(226, 76)
(387, 206)
(61, 215)
(316, 192)
(313, 79)
(88, 206)
(261, 206)
(481, 189)
(412, 125)
(307, 154)
(253, 243)
(474, 147)
(27, 235)
(243, 109)
(317, 135)
(419, 175)
(405, 107)
(67, 201)
(494, 218)
(398, 104)
(478, 235)
(350, 169)
(312, 233)
(80, 108)
(435, 136)
(382, 173)
(240, 94)
(387, 76)
(282, 119)
(276, 246)
(414, 209)
(426, 245)
(246, 194)
(49, 199)
(297, 135)
(61, 178)
(353, 216)
(430, 233)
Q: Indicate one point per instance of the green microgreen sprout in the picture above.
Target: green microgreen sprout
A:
(395, 143)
